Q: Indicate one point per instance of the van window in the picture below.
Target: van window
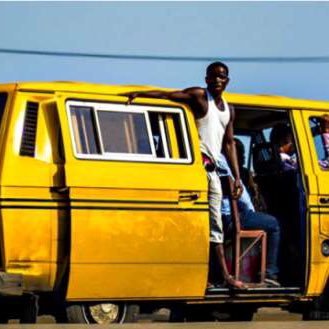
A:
(84, 130)
(320, 131)
(246, 141)
(124, 132)
(135, 133)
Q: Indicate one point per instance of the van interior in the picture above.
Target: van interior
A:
(280, 195)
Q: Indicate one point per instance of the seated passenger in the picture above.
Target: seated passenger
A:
(253, 220)
(281, 137)
(324, 130)
(247, 178)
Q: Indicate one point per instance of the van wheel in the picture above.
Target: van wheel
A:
(105, 313)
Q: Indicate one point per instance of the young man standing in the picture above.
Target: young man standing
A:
(214, 120)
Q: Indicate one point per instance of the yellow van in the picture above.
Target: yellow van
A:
(104, 206)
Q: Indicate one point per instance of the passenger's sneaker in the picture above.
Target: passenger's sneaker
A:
(271, 283)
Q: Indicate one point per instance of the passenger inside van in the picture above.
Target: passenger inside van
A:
(281, 184)
(324, 131)
(282, 139)
(247, 178)
(251, 220)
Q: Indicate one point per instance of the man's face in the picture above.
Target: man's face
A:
(288, 146)
(217, 79)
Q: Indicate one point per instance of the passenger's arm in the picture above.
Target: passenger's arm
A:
(230, 153)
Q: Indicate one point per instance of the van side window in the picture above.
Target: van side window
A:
(135, 133)
(84, 130)
(320, 131)
(124, 132)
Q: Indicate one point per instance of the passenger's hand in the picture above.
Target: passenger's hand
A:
(237, 189)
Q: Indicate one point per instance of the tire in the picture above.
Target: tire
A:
(104, 313)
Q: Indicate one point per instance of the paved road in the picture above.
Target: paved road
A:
(265, 314)
(266, 318)
(213, 325)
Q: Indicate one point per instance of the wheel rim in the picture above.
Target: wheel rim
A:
(105, 313)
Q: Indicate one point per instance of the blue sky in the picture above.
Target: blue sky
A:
(196, 29)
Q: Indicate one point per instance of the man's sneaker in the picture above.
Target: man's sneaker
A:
(271, 283)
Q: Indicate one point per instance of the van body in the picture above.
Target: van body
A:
(104, 204)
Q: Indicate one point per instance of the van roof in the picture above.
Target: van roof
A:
(97, 88)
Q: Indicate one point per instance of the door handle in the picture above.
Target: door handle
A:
(59, 189)
(324, 200)
(188, 196)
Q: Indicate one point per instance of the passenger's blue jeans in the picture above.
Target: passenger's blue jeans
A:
(253, 220)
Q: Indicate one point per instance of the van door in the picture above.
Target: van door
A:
(138, 193)
(317, 182)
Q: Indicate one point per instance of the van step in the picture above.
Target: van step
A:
(254, 292)
(11, 284)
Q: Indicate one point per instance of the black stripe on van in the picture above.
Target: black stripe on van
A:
(89, 201)
(99, 201)
(104, 208)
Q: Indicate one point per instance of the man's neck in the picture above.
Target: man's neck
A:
(216, 96)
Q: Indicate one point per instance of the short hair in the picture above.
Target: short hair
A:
(211, 66)
(324, 121)
(280, 133)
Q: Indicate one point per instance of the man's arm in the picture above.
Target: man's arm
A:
(182, 96)
(188, 96)
(230, 153)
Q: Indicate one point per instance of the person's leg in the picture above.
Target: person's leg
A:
(216, 227)
(228, 278)
(269, 224)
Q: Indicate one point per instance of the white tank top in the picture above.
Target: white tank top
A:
(212, 128)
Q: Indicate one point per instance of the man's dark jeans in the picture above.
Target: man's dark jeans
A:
(253, 220)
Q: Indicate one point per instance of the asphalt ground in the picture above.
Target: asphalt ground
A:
(266, 316)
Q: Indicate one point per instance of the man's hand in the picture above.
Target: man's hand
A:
(131, 97)
(237, 189)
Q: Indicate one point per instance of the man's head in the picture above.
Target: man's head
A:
(281, 136)
(217, 77)
(240, 152)
(324, 124)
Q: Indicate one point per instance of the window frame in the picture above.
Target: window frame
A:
(315, 145)
(144, 109)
